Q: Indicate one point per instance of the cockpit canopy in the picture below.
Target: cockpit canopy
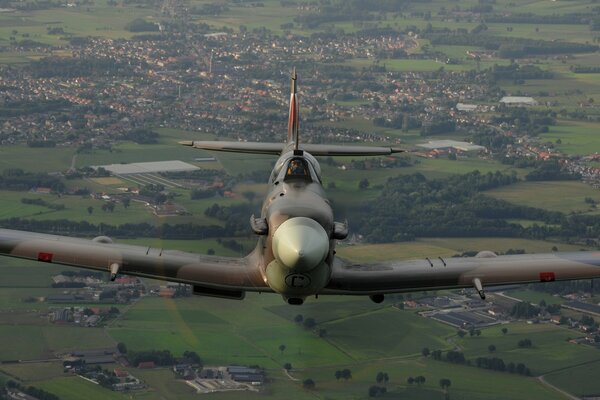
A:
(297, 167)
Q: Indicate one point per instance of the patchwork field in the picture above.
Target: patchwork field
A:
(564, 196)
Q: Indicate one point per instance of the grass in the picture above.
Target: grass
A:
(550, 352)
(564, 196)
(580, 380)
(535, 297)
(577, 137)
(99, 19)
(444, 247)
(39, 341)
(394, 333)
(57, 159)
(72, 388)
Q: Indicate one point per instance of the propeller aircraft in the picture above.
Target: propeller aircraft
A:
(295, 255)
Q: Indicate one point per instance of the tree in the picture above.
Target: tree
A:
(425, 352)
(287, 366)
(308, 383)
(282, 348)
(90, 210)
(420, 380)
(379, 377)
(445, 384)
(410, 380)
(376, 391)
(491, 348)
(338, 375)
(310, 323)
(122, 348)
(525, 343)
(249, 195)
(298, 319)
(363, 184)
(504, 331)
(346, 374)
(461, 334)
(126, 201)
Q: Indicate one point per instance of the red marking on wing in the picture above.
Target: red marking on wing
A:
(547, 276)
(45, 257)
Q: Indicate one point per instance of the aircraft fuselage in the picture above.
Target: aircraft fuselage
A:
(298, 247)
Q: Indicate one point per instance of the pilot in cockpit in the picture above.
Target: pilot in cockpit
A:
(296, 168)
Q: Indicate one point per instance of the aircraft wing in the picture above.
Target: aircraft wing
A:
(480, 271)
(277, 148)
(211, 275)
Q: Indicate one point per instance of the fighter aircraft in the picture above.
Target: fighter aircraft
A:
(295, 254)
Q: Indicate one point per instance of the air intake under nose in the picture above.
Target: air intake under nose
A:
(300, 244)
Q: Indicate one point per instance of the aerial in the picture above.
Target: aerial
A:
(421, 223)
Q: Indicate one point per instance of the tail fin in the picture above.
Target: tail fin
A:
(293, 133)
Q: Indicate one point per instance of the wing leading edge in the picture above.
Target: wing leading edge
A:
(212, 273)
(277, 148)
(438, 273)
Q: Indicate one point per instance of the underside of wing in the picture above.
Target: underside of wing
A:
(439, 273)
(277, 148)
(209, 274)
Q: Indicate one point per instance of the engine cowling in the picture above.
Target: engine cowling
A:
(300, 246)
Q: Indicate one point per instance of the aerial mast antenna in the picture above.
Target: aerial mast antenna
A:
(293, 131)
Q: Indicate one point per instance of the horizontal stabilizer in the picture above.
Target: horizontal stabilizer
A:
(277, 148)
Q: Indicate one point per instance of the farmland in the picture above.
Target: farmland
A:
(179, 100)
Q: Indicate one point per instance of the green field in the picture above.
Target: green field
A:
(551, 350)
(579, 138)
(581, 380)
(564, 196)
(535, 297)
(445, 247)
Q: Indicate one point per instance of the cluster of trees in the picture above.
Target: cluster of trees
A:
(377, 391)
(344, 374)
(584, 69)
(199, 194)
(517, 72)
(438, 125)
(234, 216)
(159, 357)
(551, 170)
(419, 380)
(43, 203)
(494, 363)
(411, 206)
(32, 391)
(212, 9)
(510, 47)
(566, 287)
(141, 25)
(141, 136)
(19, 180)
(525, 343)
(524, 310)
(525, 120)
(530, 18)
(497, 364)
(83, 228)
